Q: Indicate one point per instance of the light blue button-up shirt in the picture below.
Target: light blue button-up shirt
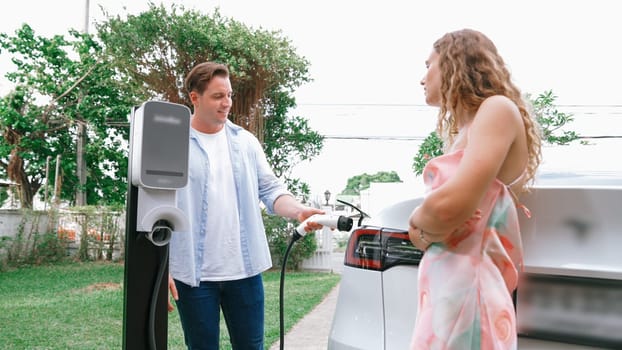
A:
(254, 181)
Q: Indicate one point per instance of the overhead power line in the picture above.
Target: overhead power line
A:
(434, 108)
(379, 137)
(421, 138)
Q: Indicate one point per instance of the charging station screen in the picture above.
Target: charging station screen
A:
(166, 130)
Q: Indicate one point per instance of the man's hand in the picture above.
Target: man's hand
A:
(172, 292)
(305, 214)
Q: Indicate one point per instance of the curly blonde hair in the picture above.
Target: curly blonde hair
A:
(471, 71)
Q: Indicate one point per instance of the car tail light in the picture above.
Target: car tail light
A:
(378, 248)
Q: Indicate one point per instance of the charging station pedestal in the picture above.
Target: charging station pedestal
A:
(158, 166)
(142, 259)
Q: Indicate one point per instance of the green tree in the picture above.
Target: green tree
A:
(361, 182)
(550, 119)
(159, 47)
(60, 83)
(432, 146)
(288, 141)
(4, 195)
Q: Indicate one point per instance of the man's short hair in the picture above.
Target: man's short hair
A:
(202, 73)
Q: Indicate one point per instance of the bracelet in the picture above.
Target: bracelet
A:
(422, 237)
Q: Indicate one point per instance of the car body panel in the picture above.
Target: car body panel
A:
(399, 285)
(395, 215)
(577, 231)
(359, 315)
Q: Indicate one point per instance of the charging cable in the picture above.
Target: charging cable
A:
(341, 223)
(282, 324)
(154, 299)
(159, 236)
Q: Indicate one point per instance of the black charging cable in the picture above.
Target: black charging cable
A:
(154, 299)
(160, 240)
(296, 236)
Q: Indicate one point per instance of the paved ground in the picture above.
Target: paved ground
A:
(311, 332)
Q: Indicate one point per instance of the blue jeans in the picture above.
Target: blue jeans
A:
(242, 303)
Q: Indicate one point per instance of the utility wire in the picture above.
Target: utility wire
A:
(421, 138)
(434, 108)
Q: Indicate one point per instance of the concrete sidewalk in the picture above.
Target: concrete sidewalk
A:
(312, 331)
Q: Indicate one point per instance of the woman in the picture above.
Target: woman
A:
(468, 223)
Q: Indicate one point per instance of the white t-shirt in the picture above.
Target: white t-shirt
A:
(222, 257)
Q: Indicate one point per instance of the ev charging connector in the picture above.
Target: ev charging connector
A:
(339, 222)
(158, 167)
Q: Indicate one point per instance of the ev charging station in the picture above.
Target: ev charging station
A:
(158, 166)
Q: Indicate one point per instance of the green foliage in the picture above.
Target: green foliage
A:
(4, 195)
(5, 243)
(60, 83)
(29, 246)
(289, 141)
(550, 119)
(159, 47)
(100, 233)
(49, 248)
(279, 232)
(431, 147)
(32, 244)
(361, 182)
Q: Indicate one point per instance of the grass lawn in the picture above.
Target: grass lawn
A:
(80, 306)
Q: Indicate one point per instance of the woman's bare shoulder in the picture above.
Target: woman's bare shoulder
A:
(498, 110)
(500, 102)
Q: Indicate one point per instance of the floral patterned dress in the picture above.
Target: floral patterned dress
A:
(466, 283)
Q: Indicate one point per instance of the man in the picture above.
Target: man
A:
(218, 264)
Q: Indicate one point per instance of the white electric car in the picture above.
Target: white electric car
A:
(572, 297)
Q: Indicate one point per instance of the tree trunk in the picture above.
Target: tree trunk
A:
(18, 175)
(26, 190)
